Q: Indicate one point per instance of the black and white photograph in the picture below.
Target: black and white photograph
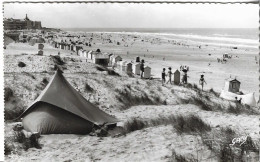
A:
(174, 81)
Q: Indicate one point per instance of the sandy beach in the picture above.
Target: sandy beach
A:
(160, 52)
(153, 143)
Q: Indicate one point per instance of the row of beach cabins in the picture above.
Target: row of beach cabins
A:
(105, 59)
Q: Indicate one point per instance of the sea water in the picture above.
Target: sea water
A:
(232, 37)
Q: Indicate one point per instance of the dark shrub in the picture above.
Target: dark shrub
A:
(88, 88)
(199, 102)
(190, 124)
(13, 112)
(129, 99)
(213, 92)
(21, 64)
(99, 68)
(8, 93)
(195, 86)
(112, 72)
(45, 81)
(57, 60)
(8, 148)
(189, 85)
(134, 124)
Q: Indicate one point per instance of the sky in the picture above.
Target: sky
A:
(100, 15)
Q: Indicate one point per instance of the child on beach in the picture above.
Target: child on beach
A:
(202, 81)
(163, 76)
(170, 75)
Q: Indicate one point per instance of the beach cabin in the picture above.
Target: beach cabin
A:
(177, 77)
(71, 47)
(122, 65)
(110, 59)
(147, 72)
(40, 52)
(101, 59)
(80, 52)
(85, 54)
(40, 46)
(90, 55)
(77, 49)
(129, 69)
(67, 46)
(62, 46)
(116, 58)
(232, 85)
(136, 68)
(74, 48)
(32, 41)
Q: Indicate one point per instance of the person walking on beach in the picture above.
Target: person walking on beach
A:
(202, 81)
(170, 75)
(163, 76)
(142, 68)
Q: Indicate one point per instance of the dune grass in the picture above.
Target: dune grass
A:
(128, 97)
(8, 93)
(182, 124)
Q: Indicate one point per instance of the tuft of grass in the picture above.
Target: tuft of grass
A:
(197, 101)
(179, 158)
(13, 112)
(88, 88)
(45, 81)
(214, 92)
(129, 99)
(190, 124)
(182, 124)
(195, 86)
(99, 68)
(159, 88)
(134, 124)
(30, 75)
(163, 120)
(226, 154)
(112, 72)
(8, 148)
(241, 109)
(8, 93)
(207, 97)
(188, 85)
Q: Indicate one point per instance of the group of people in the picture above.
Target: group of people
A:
(184, 78)
(164, 76)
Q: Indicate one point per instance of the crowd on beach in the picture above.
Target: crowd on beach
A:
(184, 79)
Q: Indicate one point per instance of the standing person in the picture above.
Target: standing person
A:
(202, 81)
(142, 68)
(163, 76)
(170, 75)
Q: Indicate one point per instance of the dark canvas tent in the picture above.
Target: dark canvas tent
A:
(60, 109)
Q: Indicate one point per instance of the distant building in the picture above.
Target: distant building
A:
(232, 85)
(20, 24)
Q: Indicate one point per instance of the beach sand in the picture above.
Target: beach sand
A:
(156, 143)
(160, 52)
